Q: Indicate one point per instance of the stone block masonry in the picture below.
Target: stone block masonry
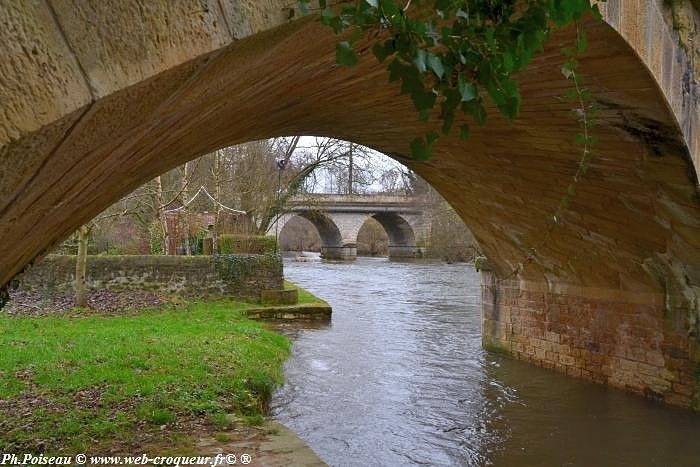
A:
(627, 340)
(239, 276)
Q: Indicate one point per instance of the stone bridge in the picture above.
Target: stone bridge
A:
(98, 97)
(339, 218)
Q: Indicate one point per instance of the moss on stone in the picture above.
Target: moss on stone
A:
(496, 346)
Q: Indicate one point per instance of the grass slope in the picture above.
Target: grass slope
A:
(74, 383)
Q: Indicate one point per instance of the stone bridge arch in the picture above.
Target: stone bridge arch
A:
(403, 234)
(339, 230)
(336, 242)
(92, 109)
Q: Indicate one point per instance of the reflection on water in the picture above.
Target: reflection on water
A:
(399, 378)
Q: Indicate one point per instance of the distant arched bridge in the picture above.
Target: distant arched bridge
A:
(339, 218)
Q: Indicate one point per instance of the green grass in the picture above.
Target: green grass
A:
(69, 382)
(305, 297)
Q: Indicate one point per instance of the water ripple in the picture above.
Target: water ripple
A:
(399, 378)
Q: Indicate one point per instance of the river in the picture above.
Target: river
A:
(399, 378)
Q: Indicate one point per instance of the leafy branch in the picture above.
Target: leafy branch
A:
(586, 112)
(450, 54)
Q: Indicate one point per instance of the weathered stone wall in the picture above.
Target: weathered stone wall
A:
(629, 341)
(241, 276)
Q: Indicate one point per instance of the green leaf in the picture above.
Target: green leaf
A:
(567, 71)
(336, 23)
(448, 119)
(464, 131)
(344, 55)
(390, 8)
(411, 81)
(466, 89)
(382, 51)
(420, 150)
(420, 60)
(432, 137)
(508, 62)
(395, 70)
(476, 110)
(423, 100)
(436, 65)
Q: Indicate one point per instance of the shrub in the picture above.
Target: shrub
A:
(254, 244)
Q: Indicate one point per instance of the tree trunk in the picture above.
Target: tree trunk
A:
(217, 195)
(81, 267)
(160, 214)
(186, 198)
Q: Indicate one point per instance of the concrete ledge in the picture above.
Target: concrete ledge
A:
(313, 311)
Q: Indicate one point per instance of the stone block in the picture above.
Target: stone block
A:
(279, 297)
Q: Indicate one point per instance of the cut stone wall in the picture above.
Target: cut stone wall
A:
(630, 341)
(242, 276)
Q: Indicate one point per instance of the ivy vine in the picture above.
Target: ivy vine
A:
(237, 268)
(585, 111)
(450, 54)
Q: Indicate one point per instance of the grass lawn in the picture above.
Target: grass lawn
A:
(76, 383)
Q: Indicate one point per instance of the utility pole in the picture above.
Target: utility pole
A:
(281, 164)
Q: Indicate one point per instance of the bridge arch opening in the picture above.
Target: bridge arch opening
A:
(104, 122)
(402, 238)
(332, 245)
(300, 235)
(372, 239)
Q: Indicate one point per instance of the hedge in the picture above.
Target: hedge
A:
(254, 244)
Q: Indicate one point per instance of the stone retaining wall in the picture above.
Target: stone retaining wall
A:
(240, 276)
(633, 341)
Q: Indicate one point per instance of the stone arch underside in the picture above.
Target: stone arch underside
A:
(91, 111)
(327, 229)
(397, 228)
(338, 232)
(402, 237)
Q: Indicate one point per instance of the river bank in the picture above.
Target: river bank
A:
(160, 380)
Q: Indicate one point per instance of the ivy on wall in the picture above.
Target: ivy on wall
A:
(236, 269)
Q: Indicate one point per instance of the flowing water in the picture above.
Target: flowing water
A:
(399, 378)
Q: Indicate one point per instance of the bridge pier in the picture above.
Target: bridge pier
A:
(405, 252)
(341, 253)
(629, 340)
